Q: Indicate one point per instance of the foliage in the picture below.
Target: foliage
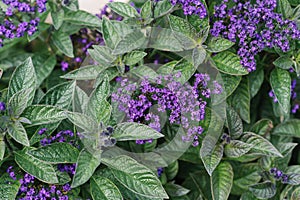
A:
(152, 99)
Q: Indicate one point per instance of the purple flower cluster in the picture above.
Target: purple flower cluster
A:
(225, 137)
(13, 25)
(160, 170)
(296, 106)
(191, 7)
(61, 136)
(2, 106)
(279, 175)
(32, 189)
(254, 27)
(185, 104)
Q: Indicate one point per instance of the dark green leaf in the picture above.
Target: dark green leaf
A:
(42, 171)
(89, 72)
(262, 127)
(285, 8)
(123, 9)
(281, 84)
(229, 63)
(237, 148)
(256, 79)
(23, 77)
(86, 166)
(136, 177)
(218, 44)
(230, 82)
(18, 132)
(110, 34)
(289, 128)
(221, 181)
(260, 145)
(63, 43)
(263, 190)
(241, 100)
(81, 17)
(103, 188)
(20, 100)
(102, 54)
(135, 131)
(234, 122)
(134, 57)
(212, 159)
(132, 41)
(56, 153)
(284, 62)
(43, 65)
(175, 190)
(42, 114)
(8, 187)
(57, 18)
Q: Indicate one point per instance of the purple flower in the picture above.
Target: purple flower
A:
(191, 7)
(64, 65)
(2, 106)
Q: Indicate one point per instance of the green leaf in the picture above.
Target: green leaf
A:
(2, 148)
(86, 166)
(36, 137)
(20, 100)
(263, 190)
(84, 18)
(212, 159)
(262, 126)
(197, 183)
(163, 39)
(57, 18)
(22, 78)
(218, 44)
(257, 78)
(241, 100)
(97, 103)
(229, 63)
(180, 25)
(63, 177)
(294, 179)
(221, 181)
(8, 187)
(89, 72)
(144, 71)
(281, 84)
(42, 171)
(82, 121)
(260, 145)
(43, 65)
(146, 11)
(132, 41)
(80, 100)
(136, 177)
(285, 8)
(102, 55)
(288, 128)
(40, 29)
(296, 194)
(43, 114)
(103, 188)
(110, 34)
(162, 8)
(135, 131)
(60, 95)
(284, 62)
(198, 56)
(123, 9)
(237, 148)
(245, 175)
(56, 153)
(18, 132)
(230, 83)
(134, 57)
(175, 190)
(186, 69)
(234, 122)
(63, 43)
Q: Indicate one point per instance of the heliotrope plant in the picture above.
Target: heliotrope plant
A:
(150, 99)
